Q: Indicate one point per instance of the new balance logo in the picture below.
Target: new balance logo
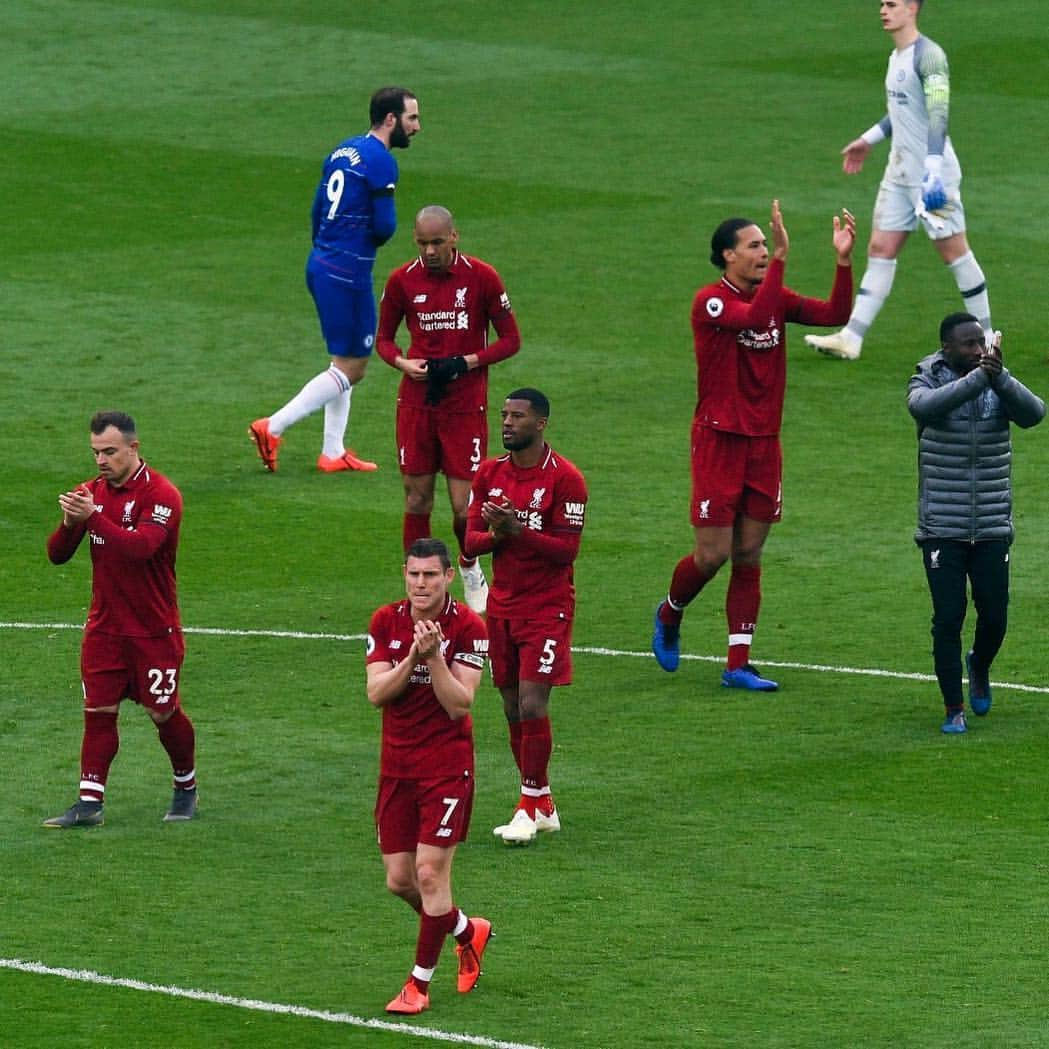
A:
(419, 299)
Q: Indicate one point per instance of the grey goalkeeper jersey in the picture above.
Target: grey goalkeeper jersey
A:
(918, 94)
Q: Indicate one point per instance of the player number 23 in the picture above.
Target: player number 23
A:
(162, 682)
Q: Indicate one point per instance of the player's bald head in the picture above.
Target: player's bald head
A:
(436, 214)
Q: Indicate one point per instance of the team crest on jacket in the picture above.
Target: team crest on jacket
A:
(537, 499)
(715, 307)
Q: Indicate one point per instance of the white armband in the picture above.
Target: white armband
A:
(873, 135)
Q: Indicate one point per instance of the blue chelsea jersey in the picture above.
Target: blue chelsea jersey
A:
(353, 211)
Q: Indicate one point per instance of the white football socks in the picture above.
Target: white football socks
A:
(336, 419)
(315, 394)
(874, 290)
(973, 286)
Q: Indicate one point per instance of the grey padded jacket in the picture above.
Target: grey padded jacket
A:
(964, 450)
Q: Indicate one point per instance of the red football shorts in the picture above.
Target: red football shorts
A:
(734, 475)
(411, 812)
(430, 442)
(530, 650)
(143, 669)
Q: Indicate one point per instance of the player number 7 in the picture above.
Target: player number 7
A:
(451, 803)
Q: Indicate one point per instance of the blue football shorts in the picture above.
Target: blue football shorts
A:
(346, 313)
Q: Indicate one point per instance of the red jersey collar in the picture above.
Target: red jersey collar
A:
(141, 474)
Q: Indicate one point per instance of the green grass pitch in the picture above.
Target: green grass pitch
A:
(819, 868)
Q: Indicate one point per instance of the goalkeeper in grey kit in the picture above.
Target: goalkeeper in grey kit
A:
(922, 181)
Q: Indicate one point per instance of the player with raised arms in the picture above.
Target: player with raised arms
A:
(739, 331)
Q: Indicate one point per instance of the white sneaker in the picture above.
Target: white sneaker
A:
(475, 586)
(543, 822)
(519, 831)
(841, 344)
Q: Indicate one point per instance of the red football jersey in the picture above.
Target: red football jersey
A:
(532, 571)
(448, 315)
(419, 739)
(741, 347)
(134, 540)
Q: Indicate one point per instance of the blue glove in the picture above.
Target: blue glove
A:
(934, 196)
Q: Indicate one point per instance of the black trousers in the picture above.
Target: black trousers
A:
(949, 565)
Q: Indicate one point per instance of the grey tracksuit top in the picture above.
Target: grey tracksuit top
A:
(964, 450)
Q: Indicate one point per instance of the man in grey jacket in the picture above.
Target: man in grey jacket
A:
(963, 400)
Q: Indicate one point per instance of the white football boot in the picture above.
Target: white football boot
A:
(519, 831)
(842, 344)
(544, 823)
(475, 587)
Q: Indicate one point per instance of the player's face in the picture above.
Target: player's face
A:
(748, 261)
(897, 14)
(522, 427)
(427, 582)
(964, 346)
(115, 456)
(436, 241)
(406, 126)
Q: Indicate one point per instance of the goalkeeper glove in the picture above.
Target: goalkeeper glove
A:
(441, 371)
(934, 196)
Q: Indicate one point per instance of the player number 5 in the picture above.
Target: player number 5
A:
(549, 655)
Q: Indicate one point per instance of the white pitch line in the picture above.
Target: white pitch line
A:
(87, 976)
(821, 668)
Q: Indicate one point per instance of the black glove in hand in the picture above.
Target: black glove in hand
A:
(441, 371)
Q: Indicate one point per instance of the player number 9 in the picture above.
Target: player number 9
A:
(334, 190)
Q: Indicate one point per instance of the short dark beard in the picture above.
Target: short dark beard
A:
(399, 138)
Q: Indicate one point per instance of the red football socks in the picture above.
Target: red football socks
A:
(685, 584)
(742, 602)
(432, 932)
(179, 740)
(415, 526)
(536, 746)
(97, 750)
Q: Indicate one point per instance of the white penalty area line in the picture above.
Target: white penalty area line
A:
(100, 979)
(819, 668)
